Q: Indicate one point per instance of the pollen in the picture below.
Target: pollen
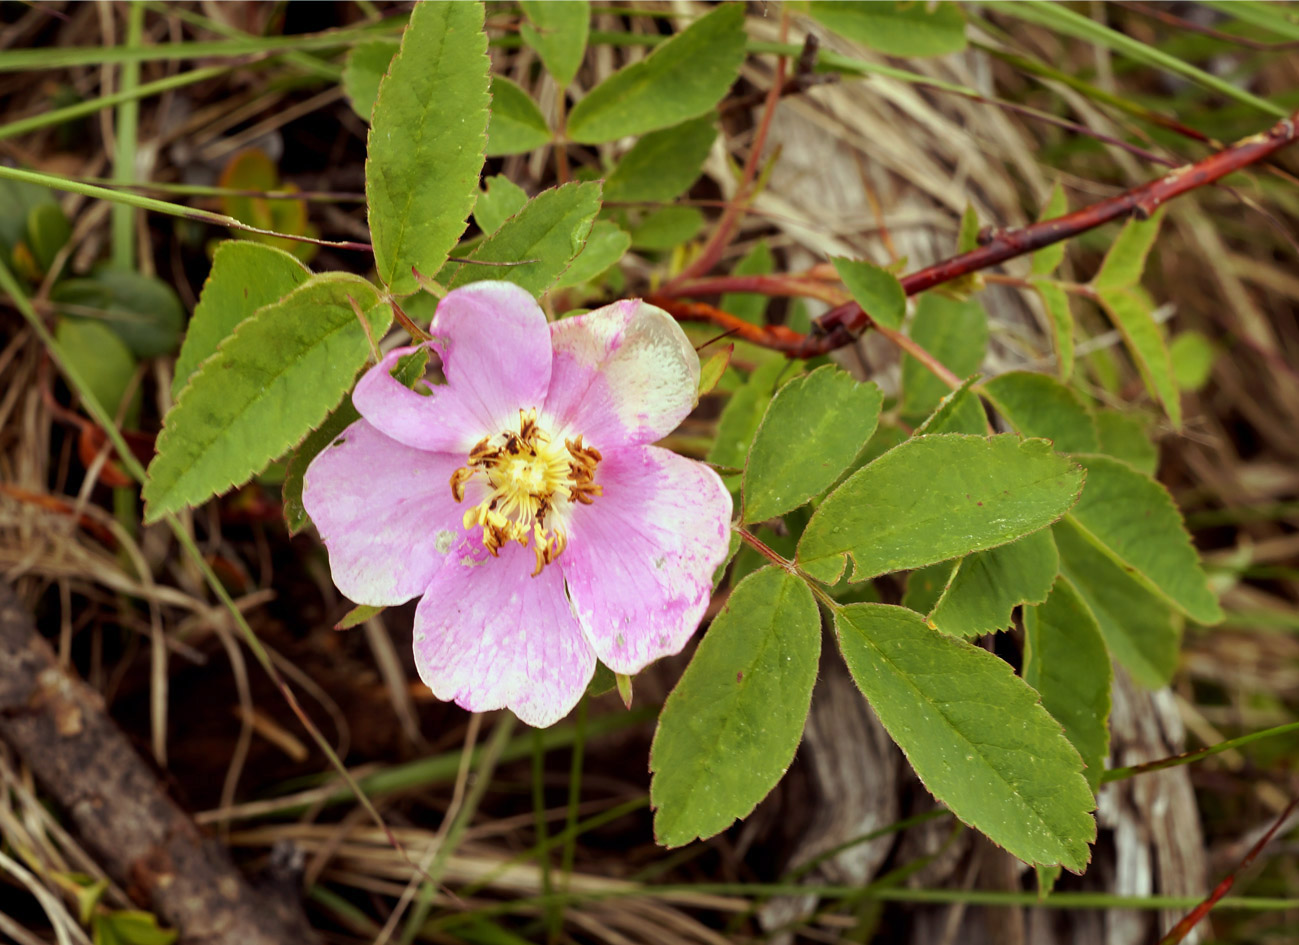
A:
(531, 484)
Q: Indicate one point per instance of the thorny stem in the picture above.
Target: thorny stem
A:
(721, 238)
(842, 325)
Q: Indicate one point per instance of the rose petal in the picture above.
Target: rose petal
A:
(640, 559)
(495, 349)
(385, 512)
(624, 374)
(490, 636)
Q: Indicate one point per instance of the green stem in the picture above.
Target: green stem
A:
(126, 146)
(1120, 774)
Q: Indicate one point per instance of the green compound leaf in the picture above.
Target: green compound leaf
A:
(1139, 628)
(1056, 301)
(267, 386)
(141, 310)
(1133, 520)
(604, 247)
(366, 63)
(662, 165)
(501, 200)
(551, 230)
(244, 277)
(953, 331)
(876, 290)
(1126, 261)
(751, 306)
(1065, 660)
(1130, 312)
(517, 125)
(682, 78)
(1123, 436)
(729, 729)
(1038, 405)
(815, 426)
(974, 732)
(987, 586)
(1047, 259)
(426, 141)
(934, 498)
(557, 31)
(896, 29)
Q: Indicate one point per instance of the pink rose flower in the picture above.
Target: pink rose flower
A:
(521, 501)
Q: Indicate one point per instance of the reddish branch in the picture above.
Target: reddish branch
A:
(842, 325)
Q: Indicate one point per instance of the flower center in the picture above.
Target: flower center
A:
(530, 486)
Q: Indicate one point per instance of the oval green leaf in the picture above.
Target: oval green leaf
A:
(1039, 405)
(974, 732)
(903, 29)
(955, 331)
(934, 498)
(663, 164)
(557, 31)
(729, 729)
(427, 140)
(681, 79)
(876, 290)
(516, 125)
(813, 429)
(1130, 312)
(987, 586)
(268, 385)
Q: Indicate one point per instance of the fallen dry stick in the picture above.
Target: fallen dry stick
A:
(58, 726)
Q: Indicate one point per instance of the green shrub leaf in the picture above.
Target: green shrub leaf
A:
(663, 164)
(896, 29)
(876, 290)
(1056, 301)
(366, 63)
(501, 200)
(550, 230)
(742, 415)
(1065, 660)
(934, 498)
(751, 306)
(516, 125)
(244, 277)
(814, 427)
(948, 705)
(1123, 436)
(557, 31)
(987, 586)
(682, 78)
(1038, 405)
(426, 141)
(143, 311)
(268, 385)
(1130, 312)
(729, 729)
(1126, 261)
(955, 332)
(1133, 520)
(604, 247)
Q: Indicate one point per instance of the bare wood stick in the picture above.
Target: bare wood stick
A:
(58, 726)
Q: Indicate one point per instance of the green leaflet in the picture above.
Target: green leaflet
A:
(667, 228)
(269, 383)
(551, 230)
(1192, 355)
(682, 78)
(896, 29)
(953, 331)
(876, 290)
(985, 587)
(967, 238)
(141, 310)
(742, 415)
(101, 357)
(949, 706)
(814, 427)
(1039, 405)
(1132, 518)
(958, 412)
(244, 277)
(1131, 315)
(1138, 627)
(1065, 660)
(48, 231)
(729, 729)
(1124, 436)
(557, 31)
(1056, 301)
(750, 306)
(663, 164)
(1047, 259)
(1126, 260)
(364, 68)
(501, 200)
(426, 141)
(934, 498)
(604, 247)
(516, 125)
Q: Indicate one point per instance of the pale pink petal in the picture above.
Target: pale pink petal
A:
(640, 559)
(495, 348)
(624, 374)
(490, 636)
(385, 513)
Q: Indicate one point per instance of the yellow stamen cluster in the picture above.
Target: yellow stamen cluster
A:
(532, 483)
